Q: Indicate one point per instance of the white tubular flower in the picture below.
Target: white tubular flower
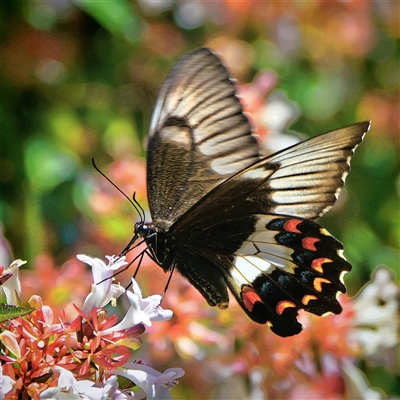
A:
(376, 323)
(12, 286)
(103, 290)
(140, 311)
(6, 384)
(71, 389)
(155, 384)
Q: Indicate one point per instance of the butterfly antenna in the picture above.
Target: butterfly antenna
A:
(139, 208)
(135, 204)
(139, 256)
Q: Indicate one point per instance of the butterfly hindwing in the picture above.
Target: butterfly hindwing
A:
(275, 265)
(205, 276)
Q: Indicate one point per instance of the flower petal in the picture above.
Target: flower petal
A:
(12, 287)
(9, 340)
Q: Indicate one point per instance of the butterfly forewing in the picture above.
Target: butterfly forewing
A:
(303, 180)
(199, 136)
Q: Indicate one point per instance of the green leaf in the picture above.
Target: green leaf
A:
(10, 312)
(47, 165)
(115, 15)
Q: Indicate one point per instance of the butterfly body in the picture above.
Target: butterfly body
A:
(226, 218)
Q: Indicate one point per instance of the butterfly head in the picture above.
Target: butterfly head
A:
(143, 230)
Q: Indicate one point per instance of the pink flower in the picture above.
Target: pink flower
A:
(74, 360)
(9, 340)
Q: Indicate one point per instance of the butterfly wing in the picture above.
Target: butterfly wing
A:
(303, 180)
(253, 230)
(198, 137)
(226, 219)
(274, 265)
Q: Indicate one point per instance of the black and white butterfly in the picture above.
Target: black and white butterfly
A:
(226, 218)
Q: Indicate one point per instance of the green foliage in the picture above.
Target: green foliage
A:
(8, 312)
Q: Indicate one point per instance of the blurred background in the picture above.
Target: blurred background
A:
(79, 80)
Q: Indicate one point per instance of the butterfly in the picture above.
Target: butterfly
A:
(226, 218)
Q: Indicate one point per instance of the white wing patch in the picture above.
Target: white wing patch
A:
(248, 268)
(257, 173)
(260, 255)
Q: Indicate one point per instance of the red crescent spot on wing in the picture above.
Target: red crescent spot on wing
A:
(250, 297)
(291, 225)
(307, 298)
(317, 263)
(318, 283)
(283, 305)
(308, 243)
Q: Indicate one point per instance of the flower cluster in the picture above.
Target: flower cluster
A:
(82, 358)
(327, 360)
